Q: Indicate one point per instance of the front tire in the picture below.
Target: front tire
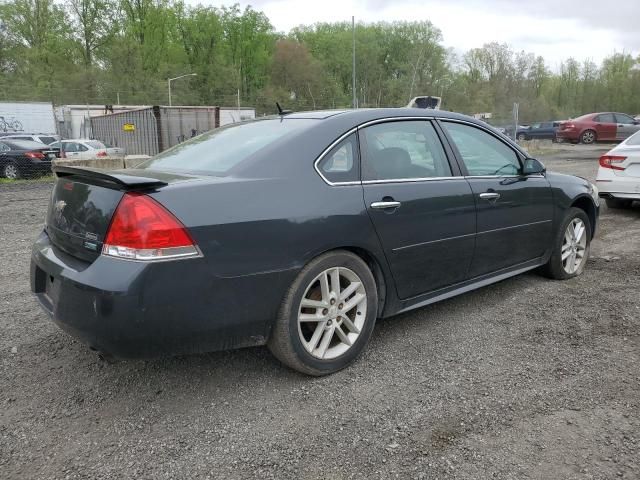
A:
(521, 137)
(327, 315)
(571, 246)
(588, 137)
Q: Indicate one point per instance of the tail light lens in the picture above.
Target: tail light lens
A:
(142, 229)
(34, 155)
(611, 161)
(101, 153)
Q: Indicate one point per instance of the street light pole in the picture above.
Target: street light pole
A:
(176, 78)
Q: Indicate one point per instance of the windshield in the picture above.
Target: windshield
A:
(218, 151)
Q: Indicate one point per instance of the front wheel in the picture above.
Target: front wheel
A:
(571, 246)
(327, 316)
(522, 137)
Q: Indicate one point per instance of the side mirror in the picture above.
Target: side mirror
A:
(533, 167)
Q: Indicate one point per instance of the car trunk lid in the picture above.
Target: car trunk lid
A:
(84, 200)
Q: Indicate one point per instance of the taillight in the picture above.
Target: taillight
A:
(34, 155)
(142, 229)
(609, 161)
(101, 153)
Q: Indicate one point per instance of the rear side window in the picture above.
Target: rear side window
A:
(47, 140)
(605, 118)
(402, 150)
(481, 152)
(341, 163)
(218, 151)
(96, 144)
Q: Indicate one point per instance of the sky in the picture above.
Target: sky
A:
(555, 29)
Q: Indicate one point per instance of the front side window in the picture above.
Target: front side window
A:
(482, 153)
(624, 119)
(402, 150)
(341, 163)
(70, 147)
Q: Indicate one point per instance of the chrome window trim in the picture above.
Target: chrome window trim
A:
(325, 152)
(345, 135)
(410, 180)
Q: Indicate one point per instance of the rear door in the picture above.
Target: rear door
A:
(605, 126)
(514, 212)
(421, 207)
(626, 126)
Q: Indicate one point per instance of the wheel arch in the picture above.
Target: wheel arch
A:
(586, 204)
(381, 276)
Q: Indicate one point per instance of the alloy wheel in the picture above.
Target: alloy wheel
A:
(332, 313)
(11, 172)
(588, 137)
(574, 246)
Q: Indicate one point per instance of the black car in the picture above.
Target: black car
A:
(23, 158)
(299, 231)
(540, 131)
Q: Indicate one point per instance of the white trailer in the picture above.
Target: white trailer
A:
(27, 117)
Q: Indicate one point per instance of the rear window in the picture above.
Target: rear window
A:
(218, 151)
(95, 144)
(633, 139)
(47, 140)
(24, 144)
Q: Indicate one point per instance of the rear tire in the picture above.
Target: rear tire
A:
(11, 171)
(588, 137)
(618, 203)
(560, 266)
(324, 335)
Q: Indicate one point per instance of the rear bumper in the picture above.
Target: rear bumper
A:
(141, 310)
(611, 185)
(570, 135)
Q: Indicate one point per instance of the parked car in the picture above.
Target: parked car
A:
(22, 158)
(598, 127)
(114, 151)
(540, 131)
(83, 149)
(44, 138)
(299, 231)
(618, 178)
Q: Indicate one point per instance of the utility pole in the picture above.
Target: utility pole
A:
(353, 87)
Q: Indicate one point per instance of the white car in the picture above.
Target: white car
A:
(618, 178)
(84, 149)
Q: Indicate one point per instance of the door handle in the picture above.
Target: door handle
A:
(490, 196)
(385, 205)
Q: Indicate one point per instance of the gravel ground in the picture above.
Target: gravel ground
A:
(528, 378)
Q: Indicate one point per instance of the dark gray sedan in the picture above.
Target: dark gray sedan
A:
(298, 232)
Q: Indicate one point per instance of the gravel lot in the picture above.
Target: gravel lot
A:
(529, 378)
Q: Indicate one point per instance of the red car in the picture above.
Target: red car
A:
(598, 127)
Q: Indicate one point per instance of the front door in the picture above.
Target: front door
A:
(422, 209)
(627, 126)
(514, 212)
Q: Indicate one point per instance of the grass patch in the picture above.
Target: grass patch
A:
(45, 179)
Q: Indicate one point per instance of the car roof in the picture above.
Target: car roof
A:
(378, 113)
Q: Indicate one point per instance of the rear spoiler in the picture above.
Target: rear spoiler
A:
(121, 180)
